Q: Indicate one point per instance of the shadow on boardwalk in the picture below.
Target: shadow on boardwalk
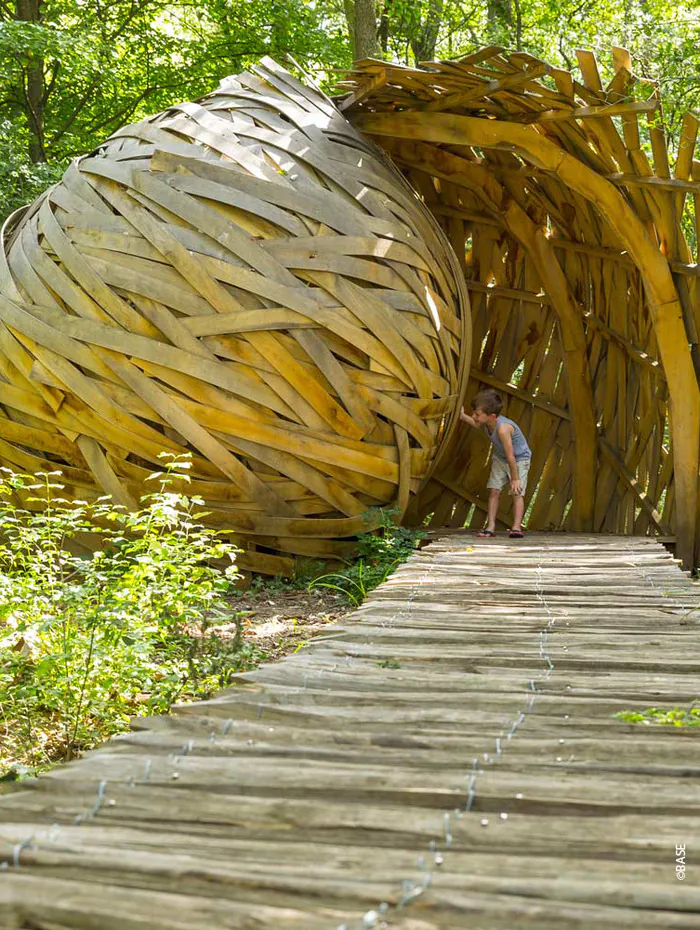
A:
(446, 758)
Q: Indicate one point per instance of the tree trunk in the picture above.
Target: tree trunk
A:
(365, 30)
(29, 11)
(383, 36)
(349, 8)
(518, 26)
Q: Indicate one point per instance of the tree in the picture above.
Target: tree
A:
(425, 34)
(72, 72)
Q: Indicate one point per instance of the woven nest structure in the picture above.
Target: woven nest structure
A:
(251, 279)
(247, 279)
(573, 227)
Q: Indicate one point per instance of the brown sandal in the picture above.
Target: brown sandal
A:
(486, 534)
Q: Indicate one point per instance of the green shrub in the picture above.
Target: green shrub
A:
(378, 555)
(88, 641)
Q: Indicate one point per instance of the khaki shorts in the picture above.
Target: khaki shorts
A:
(500, 473)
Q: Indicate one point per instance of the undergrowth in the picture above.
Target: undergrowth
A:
(378, 555)
(88, 641)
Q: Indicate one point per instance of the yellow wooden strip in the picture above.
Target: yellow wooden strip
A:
(404, 470)
(322, 205)
(684, 161)
(42, 440)
(634, 485)
(182, 180)
(247, 321)
(358, 457)
(187, 426)
(304, 527)
(299, 378)
(397, 412)
(373, 314)
(200, 392)
(286, 250)
(48, 338)
(31, 464)
(613, 109)
(87, 278)
(209, 221)
(53, 324)
(304, 472)
(104, 473)
(331, 368)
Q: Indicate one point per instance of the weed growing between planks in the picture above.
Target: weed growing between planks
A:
(86, 642)
(378, 555)
(674, 717)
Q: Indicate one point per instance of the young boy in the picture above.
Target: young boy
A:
(511, 458)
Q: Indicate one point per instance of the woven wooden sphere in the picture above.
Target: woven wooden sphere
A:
(247, 279)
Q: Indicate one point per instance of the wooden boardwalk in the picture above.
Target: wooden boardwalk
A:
(446, 758)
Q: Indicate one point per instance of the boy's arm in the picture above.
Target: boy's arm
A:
(505, 434)
(467, 419)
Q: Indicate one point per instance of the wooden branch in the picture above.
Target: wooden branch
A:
(631, 482)
(368, 86)
(486, 89)
(525, 396)
(641, 358)
(614, 109)
(459, 491)
(497, 290)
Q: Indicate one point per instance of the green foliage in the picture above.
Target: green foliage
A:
(675, 717)
(88, 641)
(73, 72)
(20, 180)
(389, 663)
(378, 555)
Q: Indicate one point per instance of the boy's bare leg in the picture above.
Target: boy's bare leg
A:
(494, 497)
(518, 511)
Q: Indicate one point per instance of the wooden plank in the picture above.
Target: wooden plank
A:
(613, 109)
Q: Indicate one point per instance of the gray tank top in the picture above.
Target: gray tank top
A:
(520, 446)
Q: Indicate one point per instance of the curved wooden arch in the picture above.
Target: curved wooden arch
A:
(579, 157)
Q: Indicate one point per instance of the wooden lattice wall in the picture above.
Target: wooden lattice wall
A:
(574, 227)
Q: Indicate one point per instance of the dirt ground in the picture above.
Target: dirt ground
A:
(280, 620)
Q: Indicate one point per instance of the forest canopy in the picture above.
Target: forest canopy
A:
(74, 71)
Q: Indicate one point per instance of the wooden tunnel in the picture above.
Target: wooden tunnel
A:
(573, 227)
(251, 279)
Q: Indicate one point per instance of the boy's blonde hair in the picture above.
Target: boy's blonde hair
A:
(489, 401)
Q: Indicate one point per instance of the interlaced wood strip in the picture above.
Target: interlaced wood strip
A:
(247, 279)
